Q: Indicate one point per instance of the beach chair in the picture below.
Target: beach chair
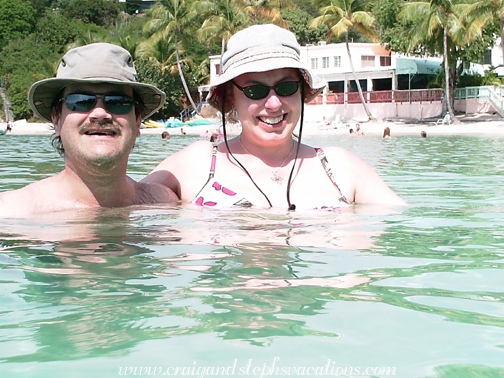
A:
(442, 121)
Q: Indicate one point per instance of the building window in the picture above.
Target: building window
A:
(337, 61)
(314, 63)
(487, 58)
(367, 61)
(325, 62)
(385, 61)
(218, 69)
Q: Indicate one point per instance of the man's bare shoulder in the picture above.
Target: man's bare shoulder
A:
(38, 197)
(17, 202)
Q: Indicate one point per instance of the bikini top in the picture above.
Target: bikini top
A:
(214, 194)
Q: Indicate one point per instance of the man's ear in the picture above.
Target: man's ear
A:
(138, 124)
(56, 122)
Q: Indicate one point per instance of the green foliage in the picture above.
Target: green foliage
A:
(491, 78)
(41, 6)
(98, 12)
(17, 18)
(393, 31)
(298, 21)
(150, 72)
(132, 6)
(23, 62)
(475, 80)
(27, 55)
(18, 86)
(58, 30)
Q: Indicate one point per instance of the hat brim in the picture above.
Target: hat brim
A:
(314, 83)
(43, 93)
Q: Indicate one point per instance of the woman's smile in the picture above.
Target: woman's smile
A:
(272, 120)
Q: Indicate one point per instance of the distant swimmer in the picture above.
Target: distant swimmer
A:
(386, 132)
(358, 131)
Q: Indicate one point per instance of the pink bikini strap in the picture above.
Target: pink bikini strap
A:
(214, 161)
(323, 159)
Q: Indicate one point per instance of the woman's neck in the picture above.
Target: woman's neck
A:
(276, 155)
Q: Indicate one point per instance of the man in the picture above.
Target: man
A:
(96, 106)
(358, 131)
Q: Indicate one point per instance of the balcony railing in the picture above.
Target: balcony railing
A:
(490, 93)
(415, 95)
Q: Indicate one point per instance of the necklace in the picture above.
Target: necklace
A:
(275, 178)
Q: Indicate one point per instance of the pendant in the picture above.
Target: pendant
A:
(277, 179)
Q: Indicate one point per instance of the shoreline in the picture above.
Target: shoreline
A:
(470, 125)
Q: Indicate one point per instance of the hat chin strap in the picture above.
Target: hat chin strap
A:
(230, 153)
(292, 207)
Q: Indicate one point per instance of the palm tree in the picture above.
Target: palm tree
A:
(341, 16)
(162, 52)
(87, 38)
(437, 19)
(481, 13)
(128, 43)
(48, 69)
(269, 9)
(223, 19)
(171, 17)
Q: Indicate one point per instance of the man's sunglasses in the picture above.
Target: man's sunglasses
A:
(259, 91)
(84, 102)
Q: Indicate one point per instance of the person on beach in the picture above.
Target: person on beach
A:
(386, 132)
(96, 106)
(264, 84)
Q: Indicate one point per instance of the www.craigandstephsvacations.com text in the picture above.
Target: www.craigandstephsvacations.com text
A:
(274, 368)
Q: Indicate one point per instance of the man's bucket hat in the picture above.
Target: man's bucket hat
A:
(261, 48)
(93, 64)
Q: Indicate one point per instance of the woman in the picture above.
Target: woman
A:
(265, 85)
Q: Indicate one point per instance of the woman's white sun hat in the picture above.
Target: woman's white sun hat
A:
(261, 48)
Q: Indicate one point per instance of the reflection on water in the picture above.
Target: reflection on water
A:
(420, 289)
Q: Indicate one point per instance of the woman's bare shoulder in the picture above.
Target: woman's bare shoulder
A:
(358, 179)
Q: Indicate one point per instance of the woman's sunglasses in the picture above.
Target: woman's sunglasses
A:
(84, 102)
(259, 91)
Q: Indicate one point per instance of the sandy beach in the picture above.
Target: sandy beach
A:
(470, 124)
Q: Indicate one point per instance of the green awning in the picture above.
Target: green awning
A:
(405, 66)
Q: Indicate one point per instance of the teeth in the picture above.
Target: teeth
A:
(100, 133)
(271, 121)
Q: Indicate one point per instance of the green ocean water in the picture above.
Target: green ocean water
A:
(185, 291)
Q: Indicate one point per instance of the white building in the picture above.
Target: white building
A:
(371, 61)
